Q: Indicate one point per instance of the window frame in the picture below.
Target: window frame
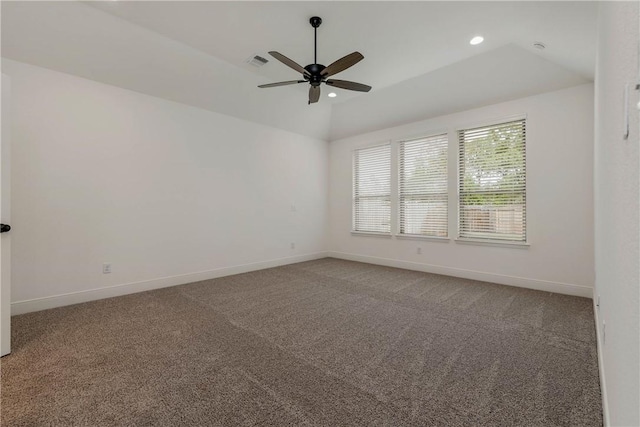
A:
(444, 134)
(453, 187)
(354, 231)
(484, 240)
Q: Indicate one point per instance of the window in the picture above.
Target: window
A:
(372, 189)
(423, 186)
(492, 182)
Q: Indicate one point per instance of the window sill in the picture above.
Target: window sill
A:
(370, 234)
(421, 237)
(498, 243)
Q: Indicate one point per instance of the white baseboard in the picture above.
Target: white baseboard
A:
(37, 304)
(522, 282)
(599, 343)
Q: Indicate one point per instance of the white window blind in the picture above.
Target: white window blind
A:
(423, 186)
(372, 189)
(493, 182)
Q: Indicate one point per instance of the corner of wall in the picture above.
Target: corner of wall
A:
(601, 372)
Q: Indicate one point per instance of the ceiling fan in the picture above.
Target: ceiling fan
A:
(316, 74)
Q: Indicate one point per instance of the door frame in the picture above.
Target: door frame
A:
(5, 216)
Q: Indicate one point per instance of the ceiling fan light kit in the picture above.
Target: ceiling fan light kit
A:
(315, 74)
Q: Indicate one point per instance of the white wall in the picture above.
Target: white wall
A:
(617, 196)
(502, 74)
(159, 189)
(559, 199)
(76, 38)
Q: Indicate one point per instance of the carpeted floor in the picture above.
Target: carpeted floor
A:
(327, 342)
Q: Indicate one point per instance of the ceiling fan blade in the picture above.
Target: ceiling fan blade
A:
(342, 64)
(289, 62)
(345, 84)
(314, 94)
(290, 82)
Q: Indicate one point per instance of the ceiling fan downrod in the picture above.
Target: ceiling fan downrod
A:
(315, 22)
(315, 69)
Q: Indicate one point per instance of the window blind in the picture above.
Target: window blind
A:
(423, 186)
(372, 189)
(492, 193)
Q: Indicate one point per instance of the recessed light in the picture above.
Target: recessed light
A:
(332, 94)
(476, 40)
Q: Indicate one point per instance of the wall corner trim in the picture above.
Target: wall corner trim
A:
(603, 384)
(45, 303)
(522, 282)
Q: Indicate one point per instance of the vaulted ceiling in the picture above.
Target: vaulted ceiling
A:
(195, 53)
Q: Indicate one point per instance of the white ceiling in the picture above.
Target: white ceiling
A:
(195, 52)
(399, 40)
(502, 74)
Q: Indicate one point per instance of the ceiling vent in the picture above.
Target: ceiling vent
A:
(257, 61)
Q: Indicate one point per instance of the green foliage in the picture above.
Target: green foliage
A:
(493, 166)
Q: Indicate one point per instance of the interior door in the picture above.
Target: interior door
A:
(5, 237)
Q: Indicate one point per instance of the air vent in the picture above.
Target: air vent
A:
(257, 61)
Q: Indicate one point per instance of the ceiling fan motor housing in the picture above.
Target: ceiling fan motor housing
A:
(314, 70)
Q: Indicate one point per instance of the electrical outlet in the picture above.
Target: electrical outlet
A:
(419, 251)
(293, 245)
(293, 207)
(106, 268)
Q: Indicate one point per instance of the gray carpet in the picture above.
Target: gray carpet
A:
(327, 342)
